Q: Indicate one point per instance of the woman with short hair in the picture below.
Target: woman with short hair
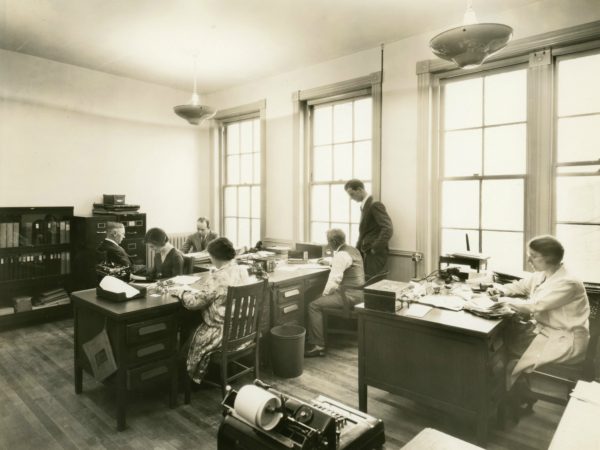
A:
(559, 305)
(168, 261)
(210, 301)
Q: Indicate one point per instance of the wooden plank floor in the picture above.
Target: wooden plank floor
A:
(39, 409)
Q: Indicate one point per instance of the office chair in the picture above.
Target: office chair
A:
(347, 311)
(188, 265)
(240, 335)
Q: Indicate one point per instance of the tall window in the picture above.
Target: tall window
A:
(242, 181)
(341, 149)
(484, 141)
(577, 167)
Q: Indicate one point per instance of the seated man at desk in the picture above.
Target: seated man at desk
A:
(558, 304)
(109, 250)
(347, 271)
(168, 261)
(198, 241)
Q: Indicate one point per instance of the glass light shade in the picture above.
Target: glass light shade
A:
(469, 45)
(194, 114)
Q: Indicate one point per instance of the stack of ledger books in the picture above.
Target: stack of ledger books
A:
(52, 298)
(105, 209)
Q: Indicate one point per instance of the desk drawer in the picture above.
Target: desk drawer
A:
(318, 281)
(154, 329)
(150, 350)
(289, 293)
(289, 313)
(150, 373)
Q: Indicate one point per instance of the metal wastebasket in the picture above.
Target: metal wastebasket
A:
(287, 350)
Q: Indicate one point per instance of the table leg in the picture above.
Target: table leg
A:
(174, 384)
(362, 397)
(121, 407)
(78, 372)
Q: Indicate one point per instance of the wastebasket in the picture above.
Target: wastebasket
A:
(287, 350)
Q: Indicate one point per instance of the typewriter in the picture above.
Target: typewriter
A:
(321, 424)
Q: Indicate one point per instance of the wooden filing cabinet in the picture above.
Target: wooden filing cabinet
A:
(143, 337)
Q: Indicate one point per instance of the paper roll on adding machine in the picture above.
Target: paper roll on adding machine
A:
(258, 417)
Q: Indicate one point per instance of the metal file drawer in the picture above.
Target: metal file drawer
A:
(149, 373)
(155, 329)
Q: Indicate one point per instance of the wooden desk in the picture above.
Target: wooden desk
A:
(449, 360)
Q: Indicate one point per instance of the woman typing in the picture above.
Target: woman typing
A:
(209, 301)
(559, 305)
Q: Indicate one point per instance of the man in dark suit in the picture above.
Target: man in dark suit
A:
(109, 250)
(375, 229)
(198, 241)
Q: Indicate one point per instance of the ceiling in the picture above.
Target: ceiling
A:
(236, 40)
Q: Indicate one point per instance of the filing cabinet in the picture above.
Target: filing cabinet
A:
(287, 303)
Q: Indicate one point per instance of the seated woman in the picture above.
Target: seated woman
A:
(560, 309)
(168, 261)
(209, 300)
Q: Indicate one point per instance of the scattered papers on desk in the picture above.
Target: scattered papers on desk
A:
(451, 302)
(296, 267)
(416, 310)
(137, 277)
(112, 284)
(184, 279)
(484, 306)
(587, 391)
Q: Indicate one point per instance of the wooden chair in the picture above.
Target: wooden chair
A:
(240, 335)
(347, 311)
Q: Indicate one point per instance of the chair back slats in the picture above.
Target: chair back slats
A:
(242, 314)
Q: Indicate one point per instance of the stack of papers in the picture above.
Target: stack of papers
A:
(199, 256)
(587, 391)
(112, 284)
(183, 279)
(451, 302)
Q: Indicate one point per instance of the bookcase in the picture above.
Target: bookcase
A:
(35, 263)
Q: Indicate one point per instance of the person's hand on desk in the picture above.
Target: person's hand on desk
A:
(326, 261)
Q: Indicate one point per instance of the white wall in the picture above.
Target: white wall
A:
(399, 120)
(69, 134)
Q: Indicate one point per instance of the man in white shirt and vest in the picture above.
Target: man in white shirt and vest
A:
(347, 272)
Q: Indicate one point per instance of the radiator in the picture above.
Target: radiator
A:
(176, 239)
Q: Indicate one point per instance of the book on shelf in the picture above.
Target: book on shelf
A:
(62, 301)
(15, 236)
(9, 235)
(3, 226)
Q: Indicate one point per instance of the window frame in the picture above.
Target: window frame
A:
(540, 53)
(224, 118)
(367, 86)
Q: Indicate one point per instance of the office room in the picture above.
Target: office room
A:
(341, 202)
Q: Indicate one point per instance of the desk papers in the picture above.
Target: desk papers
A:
(451, 302)
(112, 284)
(416, 310)
(588, 392)
(184, 279)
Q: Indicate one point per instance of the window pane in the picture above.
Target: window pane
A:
(342, 162)
(455, 241)
(231, 230)
(363, 119)
(256, 168)
(462, 153)
(244, 202)
(231, 201)
(505, 150)
(506, 97)
(256, 135)
(256, 201)
(233, 169)
(582, 250)
(578, 199)
(255, 231)
(322, 164)
(502, 204)
(344, 227)
(244, 232)
(246, 140)
(340, 204)
(577, 139)
(233, 138)
(460, 204)
(578, 91)
(362, 160)
(246, 170)
(355, 211)
(353, 234)
(504, 249)
(463, 104)
(322, 125)
(318, 232)
(342, 122)
(319, 203)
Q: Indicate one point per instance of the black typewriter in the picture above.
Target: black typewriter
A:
(106, 268)
(321, 424)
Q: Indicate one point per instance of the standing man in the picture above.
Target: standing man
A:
(198, 241)
(110, 249)
(375, 229)
(346, 273)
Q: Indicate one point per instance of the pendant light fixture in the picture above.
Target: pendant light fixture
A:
(194, 112)
(469, 45)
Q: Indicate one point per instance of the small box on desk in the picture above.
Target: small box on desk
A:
(113, 199)
(380, 301)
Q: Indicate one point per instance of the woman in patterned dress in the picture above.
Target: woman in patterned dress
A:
(210, 300)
